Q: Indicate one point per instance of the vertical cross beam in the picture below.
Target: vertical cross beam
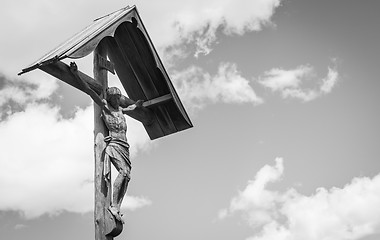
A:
(102, 187)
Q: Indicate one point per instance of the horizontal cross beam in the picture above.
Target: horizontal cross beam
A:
(62, 71)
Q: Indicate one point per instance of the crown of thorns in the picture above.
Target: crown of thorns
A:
(113, 91)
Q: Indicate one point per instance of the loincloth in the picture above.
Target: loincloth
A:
(117, 152)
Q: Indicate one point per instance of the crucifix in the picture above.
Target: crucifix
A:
(120, 44)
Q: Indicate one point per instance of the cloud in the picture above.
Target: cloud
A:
(45, 24)
(133, 203)
(21, 91)
(305, 95)
(290, 82)
(47, 157)
(20, 226)
(198, 88)
(255, 199)
(47, 164)
(278, 79)
(344, 213)
(199, 21)
(329, 82)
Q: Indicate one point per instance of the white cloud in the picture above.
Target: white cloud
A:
(198, 88)
(45, 24)
(198, 21)
(47, 167)
(47, 164)
(305, 95)
(133, 203)
(329, 82)
(279, 79)
(256, 200)
(22, 91)
(344, 213)
(290, 82)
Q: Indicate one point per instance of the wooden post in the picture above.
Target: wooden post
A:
(102, 187)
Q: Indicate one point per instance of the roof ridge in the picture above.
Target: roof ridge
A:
(127, 7)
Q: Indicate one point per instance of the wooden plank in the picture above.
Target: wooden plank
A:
(124, 71)
(187, 124)
(61, 71)
(146, 54)
(157, 101)
(133, 59)
(130, 84)
(104, 63)
(102, 185)
(132, 56)
(177, 118)
(175, 109)
(145, 59)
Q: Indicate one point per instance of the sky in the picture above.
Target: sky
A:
(283, 98)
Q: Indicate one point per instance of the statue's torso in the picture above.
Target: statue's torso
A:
(116, 123)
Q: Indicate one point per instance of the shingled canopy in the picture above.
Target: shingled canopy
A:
(136, 62)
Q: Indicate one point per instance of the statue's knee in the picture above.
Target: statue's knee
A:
(125, 174)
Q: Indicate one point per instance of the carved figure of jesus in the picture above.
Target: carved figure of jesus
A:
(117, 147)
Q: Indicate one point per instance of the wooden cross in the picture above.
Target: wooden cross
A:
(106, 226)
(122, 37)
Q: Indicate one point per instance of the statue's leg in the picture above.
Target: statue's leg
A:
(121, 182)
(124, 185)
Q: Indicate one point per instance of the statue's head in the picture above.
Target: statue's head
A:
(113, 95)
(113, 91)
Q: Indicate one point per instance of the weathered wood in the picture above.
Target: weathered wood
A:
(136, 62)
(145, 52)
(124, 70)
(102, 185)
(128, 49)
(104, 63)
(133, 89)
(112, 228)
(159, 100)
(61, 71)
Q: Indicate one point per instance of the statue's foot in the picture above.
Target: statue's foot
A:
(115, 212)
(121, 218)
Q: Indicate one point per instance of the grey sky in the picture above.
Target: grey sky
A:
(229, 162)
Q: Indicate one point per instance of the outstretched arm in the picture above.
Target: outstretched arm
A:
(136, 110)
(134, 106)
(85, 87)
